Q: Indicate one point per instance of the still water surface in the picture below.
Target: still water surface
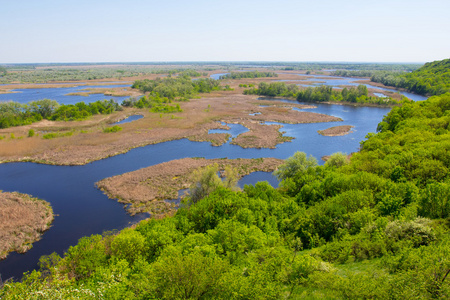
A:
(60, 94)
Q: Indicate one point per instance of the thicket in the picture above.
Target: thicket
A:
(249, 74)
(431, 79)
(357, 94)
(156, 103)
(17, 114)
(374, 227)
(177, 87)
(81, 110)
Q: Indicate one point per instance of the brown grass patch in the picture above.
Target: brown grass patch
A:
(260, 136)
(336, 131)
(146, 189)
(23, 219)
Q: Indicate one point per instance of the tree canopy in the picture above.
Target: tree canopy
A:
(431, 79)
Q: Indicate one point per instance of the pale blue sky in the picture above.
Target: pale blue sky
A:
(33, 31)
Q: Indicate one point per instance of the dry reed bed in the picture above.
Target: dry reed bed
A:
(146, 189)
(260, 136)
(336, 131)
(115, 92)
(23, 219)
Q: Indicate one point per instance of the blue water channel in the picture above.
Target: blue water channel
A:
(60, 94)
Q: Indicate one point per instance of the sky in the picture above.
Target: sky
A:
(49, 31)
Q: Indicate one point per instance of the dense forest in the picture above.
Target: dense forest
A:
(431, 79)
(359, 94)
(375, 226)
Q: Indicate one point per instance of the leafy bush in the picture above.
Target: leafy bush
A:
(31, 133)
(53, 135)
(114, 128)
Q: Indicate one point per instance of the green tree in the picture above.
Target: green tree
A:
(298, 163)
(207, 180)
(337, 159)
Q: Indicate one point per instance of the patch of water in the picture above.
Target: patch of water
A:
(234, 131)
(218, 75)
(380, 95)
(128, 119)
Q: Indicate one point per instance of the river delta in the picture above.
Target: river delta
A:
(64, 171)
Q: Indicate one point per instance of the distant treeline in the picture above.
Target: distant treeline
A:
(32, 75)
(431, 79)
(17, 114)
(318, 94)
(362, 73)
(352, 66)
(250, 74)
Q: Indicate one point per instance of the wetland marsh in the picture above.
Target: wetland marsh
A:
(218, 125)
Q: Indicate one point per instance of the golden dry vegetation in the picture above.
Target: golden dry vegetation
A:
(23, 219)
(336, 130)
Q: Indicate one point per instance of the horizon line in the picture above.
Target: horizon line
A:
(208, 62)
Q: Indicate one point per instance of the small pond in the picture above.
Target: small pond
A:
(234, 131)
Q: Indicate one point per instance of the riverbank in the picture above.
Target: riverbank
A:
(23, 220)
(146, 190)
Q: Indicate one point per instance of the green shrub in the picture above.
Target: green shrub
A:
(31, 133)
(53, 135)
(115, 128)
